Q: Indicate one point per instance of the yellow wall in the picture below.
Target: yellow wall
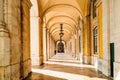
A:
(100, 31)
(85, 41)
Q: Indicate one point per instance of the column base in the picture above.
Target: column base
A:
(41, 60)
(5, 73)
(87, 59)
(27, 67)
(94, 60)
(15, 71)
(80, 57)
(35, 60)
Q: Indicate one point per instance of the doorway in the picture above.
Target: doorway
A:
(112, 59)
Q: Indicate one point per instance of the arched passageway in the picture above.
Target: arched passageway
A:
(30, 38)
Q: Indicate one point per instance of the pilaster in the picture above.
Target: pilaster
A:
(4, 53)
(45, 43)
(41, 42)
(4, 47)
(34, 37)
(48, 47)
(25, 57)
(87, 40)
(104, 33)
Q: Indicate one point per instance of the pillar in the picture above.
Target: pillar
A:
(48, 47)
(51, 47)
(81, 41)
(45, 43)
(86, 40)
(25, 58)
(35, 40)
(4, 46)
(40, 42)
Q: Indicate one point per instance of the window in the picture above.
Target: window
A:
(95, 39)
(94, 9)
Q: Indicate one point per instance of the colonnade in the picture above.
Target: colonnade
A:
(25, 39)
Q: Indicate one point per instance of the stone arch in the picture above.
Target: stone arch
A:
(65, 5)
(60, 46)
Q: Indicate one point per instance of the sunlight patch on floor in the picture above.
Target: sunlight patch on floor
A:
(64, 75)
(70, 64)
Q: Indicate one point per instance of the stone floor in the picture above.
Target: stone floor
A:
(61, 70)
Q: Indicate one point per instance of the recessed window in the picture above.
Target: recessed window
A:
(95, 39)
(94, 9)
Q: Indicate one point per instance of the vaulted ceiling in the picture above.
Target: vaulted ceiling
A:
(66, 12)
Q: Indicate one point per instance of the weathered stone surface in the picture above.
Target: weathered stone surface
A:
(103, 66)
(116, 71)
(15, 72)
(5, 73)
(26, 61)
(34, 37)
(4, 51)
(26, 67)
(87, 59)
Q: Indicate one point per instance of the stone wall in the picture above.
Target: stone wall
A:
(25, 36)
(104, 63)
(115, 35)
(14, 39)
(5, 67)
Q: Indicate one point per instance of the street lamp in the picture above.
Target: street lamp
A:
(61, 32)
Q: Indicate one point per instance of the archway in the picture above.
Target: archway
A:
(60, 47)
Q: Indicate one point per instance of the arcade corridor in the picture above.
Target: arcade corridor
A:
(65, 67)
(59, 39)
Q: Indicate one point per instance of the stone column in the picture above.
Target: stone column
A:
(44, 43)
(35, 40)
(4, 46)
(25, 59)
(81, 42)
(48, 45)
(86, 35)
(41, 42)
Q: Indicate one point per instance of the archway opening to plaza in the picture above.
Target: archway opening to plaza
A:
(60, 47)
